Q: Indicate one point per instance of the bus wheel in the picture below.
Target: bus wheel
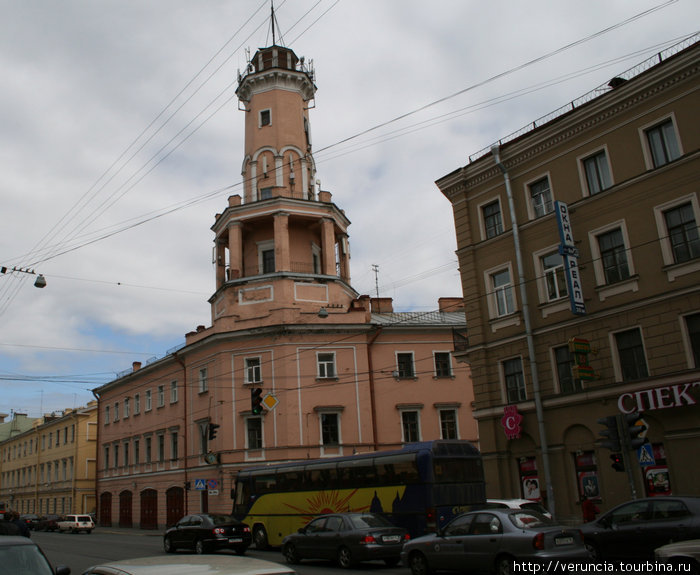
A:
(345, 558)
(418, 564)
(260, 537)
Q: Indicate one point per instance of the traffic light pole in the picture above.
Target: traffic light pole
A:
(625, 448)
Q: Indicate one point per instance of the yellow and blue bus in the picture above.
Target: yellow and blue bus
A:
(419, 487)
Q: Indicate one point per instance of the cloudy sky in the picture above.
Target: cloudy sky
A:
(120, 138)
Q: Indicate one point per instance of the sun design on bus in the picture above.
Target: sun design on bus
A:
(323, 502)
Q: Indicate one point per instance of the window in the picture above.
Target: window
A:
(161, 395)
(265, 117)
(541, 197)
(692, 326)
(203, 380)
(127, 407)
(116, 459)
(252, 370)
(148, 449)
(268, 261)
(330, 429)
(265, 193)
(613, 256)
(137, 451)
(554, 276)
(630, 354)
(126, 454)
(107, 420)
(106, 460)
(254, 436)
(173, 391)
(173, 445)
(565, 377)
(404, 364)
(161, 448)
(116, 417)
(597, 173)
(326, 365)
(502, 290)
(448, 424)
(493, 223)
(514, 380)
(682, 232)
(149, 403)
(443, 364)
(663, 144)
(410, 426)
(137, 404)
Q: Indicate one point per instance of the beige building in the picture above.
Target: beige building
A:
(583, 298)
(50, 468)
(337, 372)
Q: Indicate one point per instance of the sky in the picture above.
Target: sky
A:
(121, 138)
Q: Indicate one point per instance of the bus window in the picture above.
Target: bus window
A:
(323, 476)
(357, 472)
(264, 483)
(457, 470)
(395, 469)
(291, 479)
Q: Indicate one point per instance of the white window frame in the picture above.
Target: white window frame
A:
(643, 135)
(455, 412)
(531, 212)
(492, 298)
(161, 395)
(583, 176)
(203, 380)
(413, 365)
(504, 383)
(334, 449)
(149, 401)
(173, 391)
(248, 369)
(267, 111)
(322, 366)
(675, 270)
(482, 218)
(604, 289)
(248, 447)
(107, 421)
(116, 415)
(449, 364)
(411, 409)
(127, 410)
(549, 306)
(617, 366)
(137, 403)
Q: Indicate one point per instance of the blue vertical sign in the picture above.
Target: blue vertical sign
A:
(569, 254)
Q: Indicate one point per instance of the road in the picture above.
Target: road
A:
(80, 550)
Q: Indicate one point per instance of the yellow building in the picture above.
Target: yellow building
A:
(50, 468)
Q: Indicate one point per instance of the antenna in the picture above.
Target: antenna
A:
(375, 269)
(272, 18)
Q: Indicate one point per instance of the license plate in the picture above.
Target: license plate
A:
(391, 538)
(235, 540)
(564, 541)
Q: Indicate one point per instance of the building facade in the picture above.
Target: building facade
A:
(580, 260)
(336, 372)
(50, 468)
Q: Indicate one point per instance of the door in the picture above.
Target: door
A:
(106, 510)
(483, 542)
(125, 505)
(452, 543)
(175, 505)
(149, 509)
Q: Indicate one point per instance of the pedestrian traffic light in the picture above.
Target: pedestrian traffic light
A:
(613, 437)
(212, 430)
(256, 400)
(617, 462)
(632, 427)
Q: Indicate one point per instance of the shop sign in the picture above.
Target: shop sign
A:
(511, 421)
(569, 253)
(658, 398)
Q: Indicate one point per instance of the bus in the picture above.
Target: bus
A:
(420, 487)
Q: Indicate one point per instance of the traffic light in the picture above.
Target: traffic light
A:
(617, 462)
(256, 400)
(613, 437)
(632, 427)
(212, 430)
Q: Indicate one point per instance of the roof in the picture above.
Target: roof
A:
(416, 318)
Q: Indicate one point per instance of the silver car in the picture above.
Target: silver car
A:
(493, 540)
(191, 565)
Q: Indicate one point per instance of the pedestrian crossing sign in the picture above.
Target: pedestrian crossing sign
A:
(645, 455)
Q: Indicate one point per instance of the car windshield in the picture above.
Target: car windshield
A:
(364, 521)
(222, 519)
(534, 506)
(23, 560)
(529, 519)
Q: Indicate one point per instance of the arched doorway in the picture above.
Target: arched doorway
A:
(106, 509)
(149, 509)
(125, 507)
(175, 505)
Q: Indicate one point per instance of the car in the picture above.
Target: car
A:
(192, 565)
(75, 523)
(205, 532)
(491, 540)
(29, 519)
(633, 529)
(21, 556)
(686, 553)
(347, 538)
(47, 523)
(517, 504)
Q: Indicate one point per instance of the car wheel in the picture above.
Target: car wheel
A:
(504, 565)
(260, 537)
(290, 554)
(593, 550)
(418, 564)
(392, 562)
(345, 558)
(199, 548)
(168, 545)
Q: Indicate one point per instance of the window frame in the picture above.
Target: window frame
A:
(483, 219)
(412, 367)
(692, 352)
(174, 391)
(647, 148)
(492, 291)
(161, 395)
(405, 412)
(603, 288)
(521, 387)
(619, 362)
(264, 117)
(263, 248)
(249, 367)
(436, 373)
(675, 269)
(443, 423)
(202, 380)
(258, 420)
(533, 209)
(149, 401)
(600, 176)
(323, 427)
(323, 365)
(575, 384)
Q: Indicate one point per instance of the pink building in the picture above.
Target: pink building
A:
(339, 373)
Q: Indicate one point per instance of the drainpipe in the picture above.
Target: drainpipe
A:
(98, 507)
(372, 399)
(495, 151)
(184, 431)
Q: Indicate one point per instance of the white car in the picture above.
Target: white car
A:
(518, 504)
(76, 523)
(685, 553)
(191, 565)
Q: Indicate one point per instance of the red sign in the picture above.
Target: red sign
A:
(511, 421)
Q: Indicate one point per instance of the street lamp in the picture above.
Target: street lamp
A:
(40, 281)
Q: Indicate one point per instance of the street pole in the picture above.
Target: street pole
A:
(626, 448)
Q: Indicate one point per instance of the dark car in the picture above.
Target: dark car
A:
(21, 556)
(492, 540)
(347, 538)
(29, 519)
(634, 529)
(205, 532)
(47, 523)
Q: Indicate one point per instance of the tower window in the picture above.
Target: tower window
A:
(265, 118)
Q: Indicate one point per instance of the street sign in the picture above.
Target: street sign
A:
(213, 492)
(270, 401)
(212, 483)
(645, 455)
(199, 484)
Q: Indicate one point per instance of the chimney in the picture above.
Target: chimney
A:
(446, 304)
(136, 366)
(382, 305)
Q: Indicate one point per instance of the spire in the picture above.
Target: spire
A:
(274, 25)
